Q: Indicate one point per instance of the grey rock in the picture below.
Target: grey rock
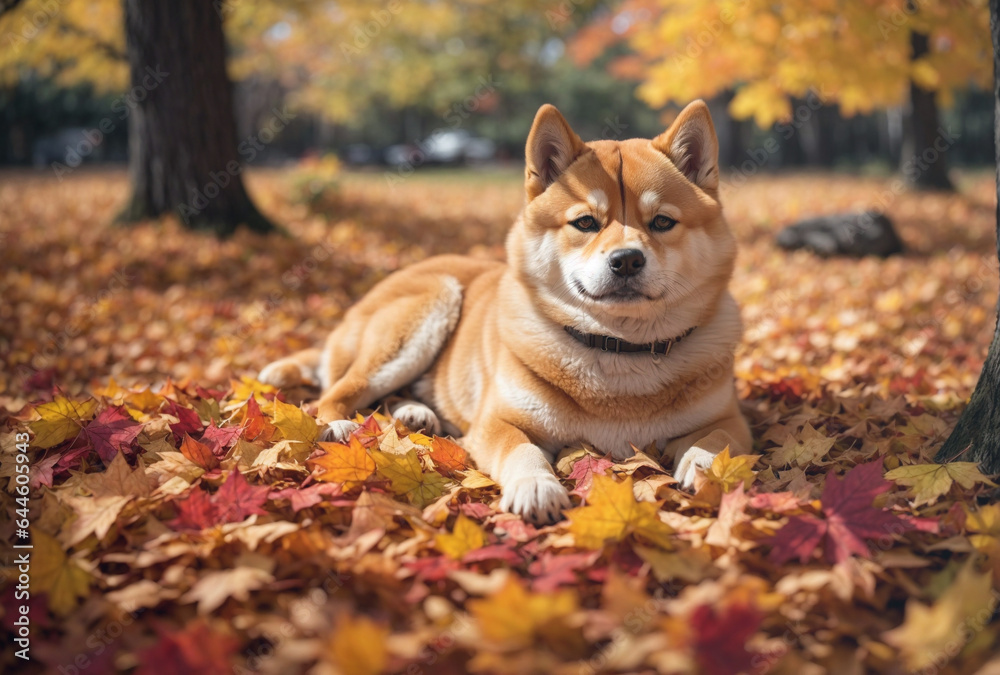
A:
(847, 234)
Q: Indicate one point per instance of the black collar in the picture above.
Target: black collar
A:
(617, 345)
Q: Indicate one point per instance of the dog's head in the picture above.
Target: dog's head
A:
(619, 234)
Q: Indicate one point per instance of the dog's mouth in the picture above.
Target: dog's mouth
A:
(623, 294)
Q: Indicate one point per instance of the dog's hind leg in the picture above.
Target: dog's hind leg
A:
(385, 343)
(301, 368)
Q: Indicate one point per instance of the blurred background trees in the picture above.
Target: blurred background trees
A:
(785, 62)
(878, 85)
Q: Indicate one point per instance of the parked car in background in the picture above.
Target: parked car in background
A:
(445, 146)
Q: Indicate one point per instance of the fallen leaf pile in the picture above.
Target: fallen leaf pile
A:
(185, 519)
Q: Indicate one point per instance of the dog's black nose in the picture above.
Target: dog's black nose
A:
(626, 261)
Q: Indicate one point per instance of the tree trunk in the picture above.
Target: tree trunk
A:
(976, 438)
(925, 143)
(183, 155)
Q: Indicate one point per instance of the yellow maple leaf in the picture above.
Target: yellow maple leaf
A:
(113, 392)
(985, 520)
(983, 526)
(293, 423)
(475, 479)
(930, 632)
(407, 477)
(612, 513)
(60, 420)
(466, 536)
(728, 472)
(247, 387)
(931, 481)
(804, 450)
(421, 439)
(54, 573)
(512, 616)
(144, 400)
(690, 565)
(920, 431)
(357, 646)
(344, 463)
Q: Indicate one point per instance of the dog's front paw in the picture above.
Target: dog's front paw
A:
(416, 416)
(538, 499)
(693, 459)
(337, 431)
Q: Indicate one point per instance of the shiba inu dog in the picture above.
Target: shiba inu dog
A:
(610, 323)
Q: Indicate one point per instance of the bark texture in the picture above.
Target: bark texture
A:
(925, 143)
(976, 438)
(183, 153)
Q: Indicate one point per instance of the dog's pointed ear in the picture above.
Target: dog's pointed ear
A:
(552, 147)
(693, 147)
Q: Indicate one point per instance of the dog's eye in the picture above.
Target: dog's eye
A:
(585, 224)
(662, 223)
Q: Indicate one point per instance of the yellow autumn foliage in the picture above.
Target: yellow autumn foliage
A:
(856, 54)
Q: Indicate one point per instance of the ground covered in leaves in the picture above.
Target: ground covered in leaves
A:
(185, 520)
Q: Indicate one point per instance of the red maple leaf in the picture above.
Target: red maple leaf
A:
(584, 470)
(932, 525)
(304, 497)
(111, 432)
(508, 525)
(775, 502)
(368, 432)
(220, 438)
(42, 473)
(255, 424)
(551, 571)
(237, 499)
(432, 568)
(501, 552)
(849, 520)
(195, 512)
(847, 505)
(720, 639)
(70, 458)
(216, 394)
(199, 453)
(797, 539)
(40, 380)
(476, 510)
(194, 650)
(188, 420)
